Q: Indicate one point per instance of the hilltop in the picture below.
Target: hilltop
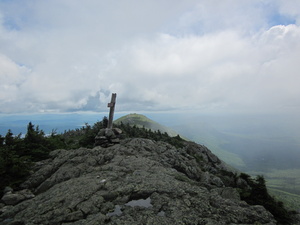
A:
(141, 121)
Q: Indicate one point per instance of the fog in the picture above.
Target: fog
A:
(262, 141)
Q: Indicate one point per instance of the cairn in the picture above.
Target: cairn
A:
(108, 137)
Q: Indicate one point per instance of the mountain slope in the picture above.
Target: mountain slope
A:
(253, 147)
(204, 134)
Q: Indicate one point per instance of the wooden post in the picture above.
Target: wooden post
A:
(112, 109)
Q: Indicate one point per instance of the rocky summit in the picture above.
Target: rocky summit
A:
(138, 181)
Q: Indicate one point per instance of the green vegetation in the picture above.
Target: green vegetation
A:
(257, 194)
(18, 154)
(134, 131)
(291, 201)
(286, 180)
(284, 185)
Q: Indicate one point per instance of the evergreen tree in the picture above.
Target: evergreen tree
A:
(9, 138)
(35, 143)
(258, 195)
(105, 122)
(34, 136)
(2, 139)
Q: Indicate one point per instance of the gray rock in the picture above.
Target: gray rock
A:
(108, 137)
(10, 198)
(109, 133)
(117, 131)
(7, 189)
(138, 181)
(227, 193)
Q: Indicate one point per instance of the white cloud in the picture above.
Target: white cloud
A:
(69, 55)
(290, 9)
(11, 77)
(257, 73)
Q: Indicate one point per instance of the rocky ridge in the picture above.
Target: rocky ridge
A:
(138, 181)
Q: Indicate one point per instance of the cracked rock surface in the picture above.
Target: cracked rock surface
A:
(138, 181)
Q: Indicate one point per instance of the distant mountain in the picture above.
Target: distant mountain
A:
(143, 121)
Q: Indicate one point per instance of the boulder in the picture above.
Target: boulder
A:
(12, 198)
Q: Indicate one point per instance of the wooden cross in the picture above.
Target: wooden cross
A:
(112, 109)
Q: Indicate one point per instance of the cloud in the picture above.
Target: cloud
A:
(222, 70)
(290, 9)
(211, 16)
(193, 55)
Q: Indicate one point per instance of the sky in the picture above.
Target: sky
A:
(228, 56)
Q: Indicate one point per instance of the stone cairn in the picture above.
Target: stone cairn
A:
(109, 136)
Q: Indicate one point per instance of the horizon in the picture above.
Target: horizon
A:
(66, 121)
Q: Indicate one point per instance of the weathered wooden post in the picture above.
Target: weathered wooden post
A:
(109, 136)
(112, 109)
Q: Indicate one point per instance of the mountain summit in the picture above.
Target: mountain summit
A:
(140, 120)
(138, 181)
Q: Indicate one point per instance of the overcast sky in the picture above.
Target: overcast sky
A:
(202, 55)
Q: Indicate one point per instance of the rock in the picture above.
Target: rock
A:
(109, 133)
(241, 183)
(138, 181)
(117, 131)
(227, 193)
(108, 137)
(10, 198)
(210, 180)
(7, 189)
